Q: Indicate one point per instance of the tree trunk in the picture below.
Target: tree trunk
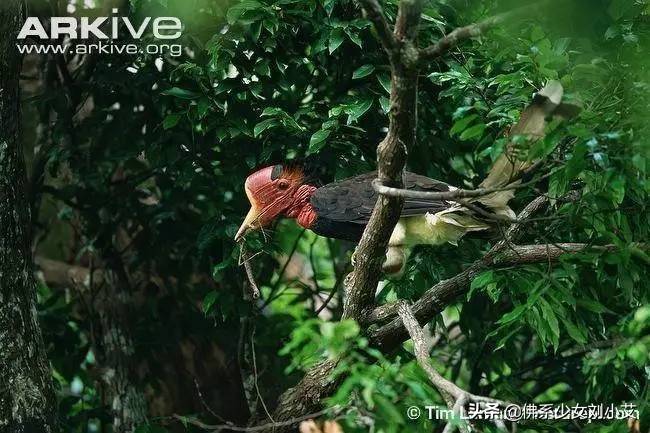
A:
(126, 400)
(27, 401)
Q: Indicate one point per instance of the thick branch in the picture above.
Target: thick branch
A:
(376, 15)
(391, 157)
(524, 254)
(514, 255)
(57, 273)
(361, 284)
(408, 20)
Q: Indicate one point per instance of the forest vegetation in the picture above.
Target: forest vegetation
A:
(127, 306)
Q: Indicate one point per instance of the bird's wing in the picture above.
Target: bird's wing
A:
(352, 200)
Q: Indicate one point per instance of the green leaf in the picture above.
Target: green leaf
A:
(461, 124)
(363, 71)
(209, 301)
(551, 322)
(592, 305)
(354, 37)
(355, 111)
(263, 68)
(328, 5)
(385, 104)
(318, 140)
(236, 11)
(263, 126)
(574, 331)
(558, 184)
(272, 111)
(171, 120)
(384, 80)
(472, 132)
(513, 315)
(388, 409)
(180, 93)
(336, 39)
(482, 280)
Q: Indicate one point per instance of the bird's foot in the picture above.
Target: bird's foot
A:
(395, 261)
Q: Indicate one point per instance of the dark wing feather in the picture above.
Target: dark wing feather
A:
(351, 201)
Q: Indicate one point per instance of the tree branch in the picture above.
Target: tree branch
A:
(525, 254)
(376, 15)
(449, 195)
(515, 255)
(461, 34)
(57, 273)
(391, 157)
(361, 284)
(455, 397)
(438, 297)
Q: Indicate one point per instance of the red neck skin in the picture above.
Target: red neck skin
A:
(300, 208)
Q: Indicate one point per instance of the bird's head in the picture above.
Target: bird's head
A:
(271, 192)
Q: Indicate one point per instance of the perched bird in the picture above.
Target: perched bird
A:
(342, 209)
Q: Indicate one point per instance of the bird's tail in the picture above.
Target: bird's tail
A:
(513, 163)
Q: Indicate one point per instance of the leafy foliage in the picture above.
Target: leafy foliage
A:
(153, 168)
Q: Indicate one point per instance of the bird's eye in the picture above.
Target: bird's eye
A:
(283, 184)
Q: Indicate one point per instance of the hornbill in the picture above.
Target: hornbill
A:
(342, 209)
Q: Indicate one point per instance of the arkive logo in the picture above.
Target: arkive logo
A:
(100, 35)
(84, 28)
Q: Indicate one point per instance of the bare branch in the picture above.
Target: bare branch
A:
(523, 254)
(438, 297)
(449, 195)
(245, 260)
(255, 291)
(455, 397)
(461, 34)
(448, 390)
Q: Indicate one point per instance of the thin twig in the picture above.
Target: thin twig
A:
(245, 261)
(255, 291)
(460, 34)
(255, 375)
(205, 403)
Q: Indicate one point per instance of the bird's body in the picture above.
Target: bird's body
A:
(342, 209)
